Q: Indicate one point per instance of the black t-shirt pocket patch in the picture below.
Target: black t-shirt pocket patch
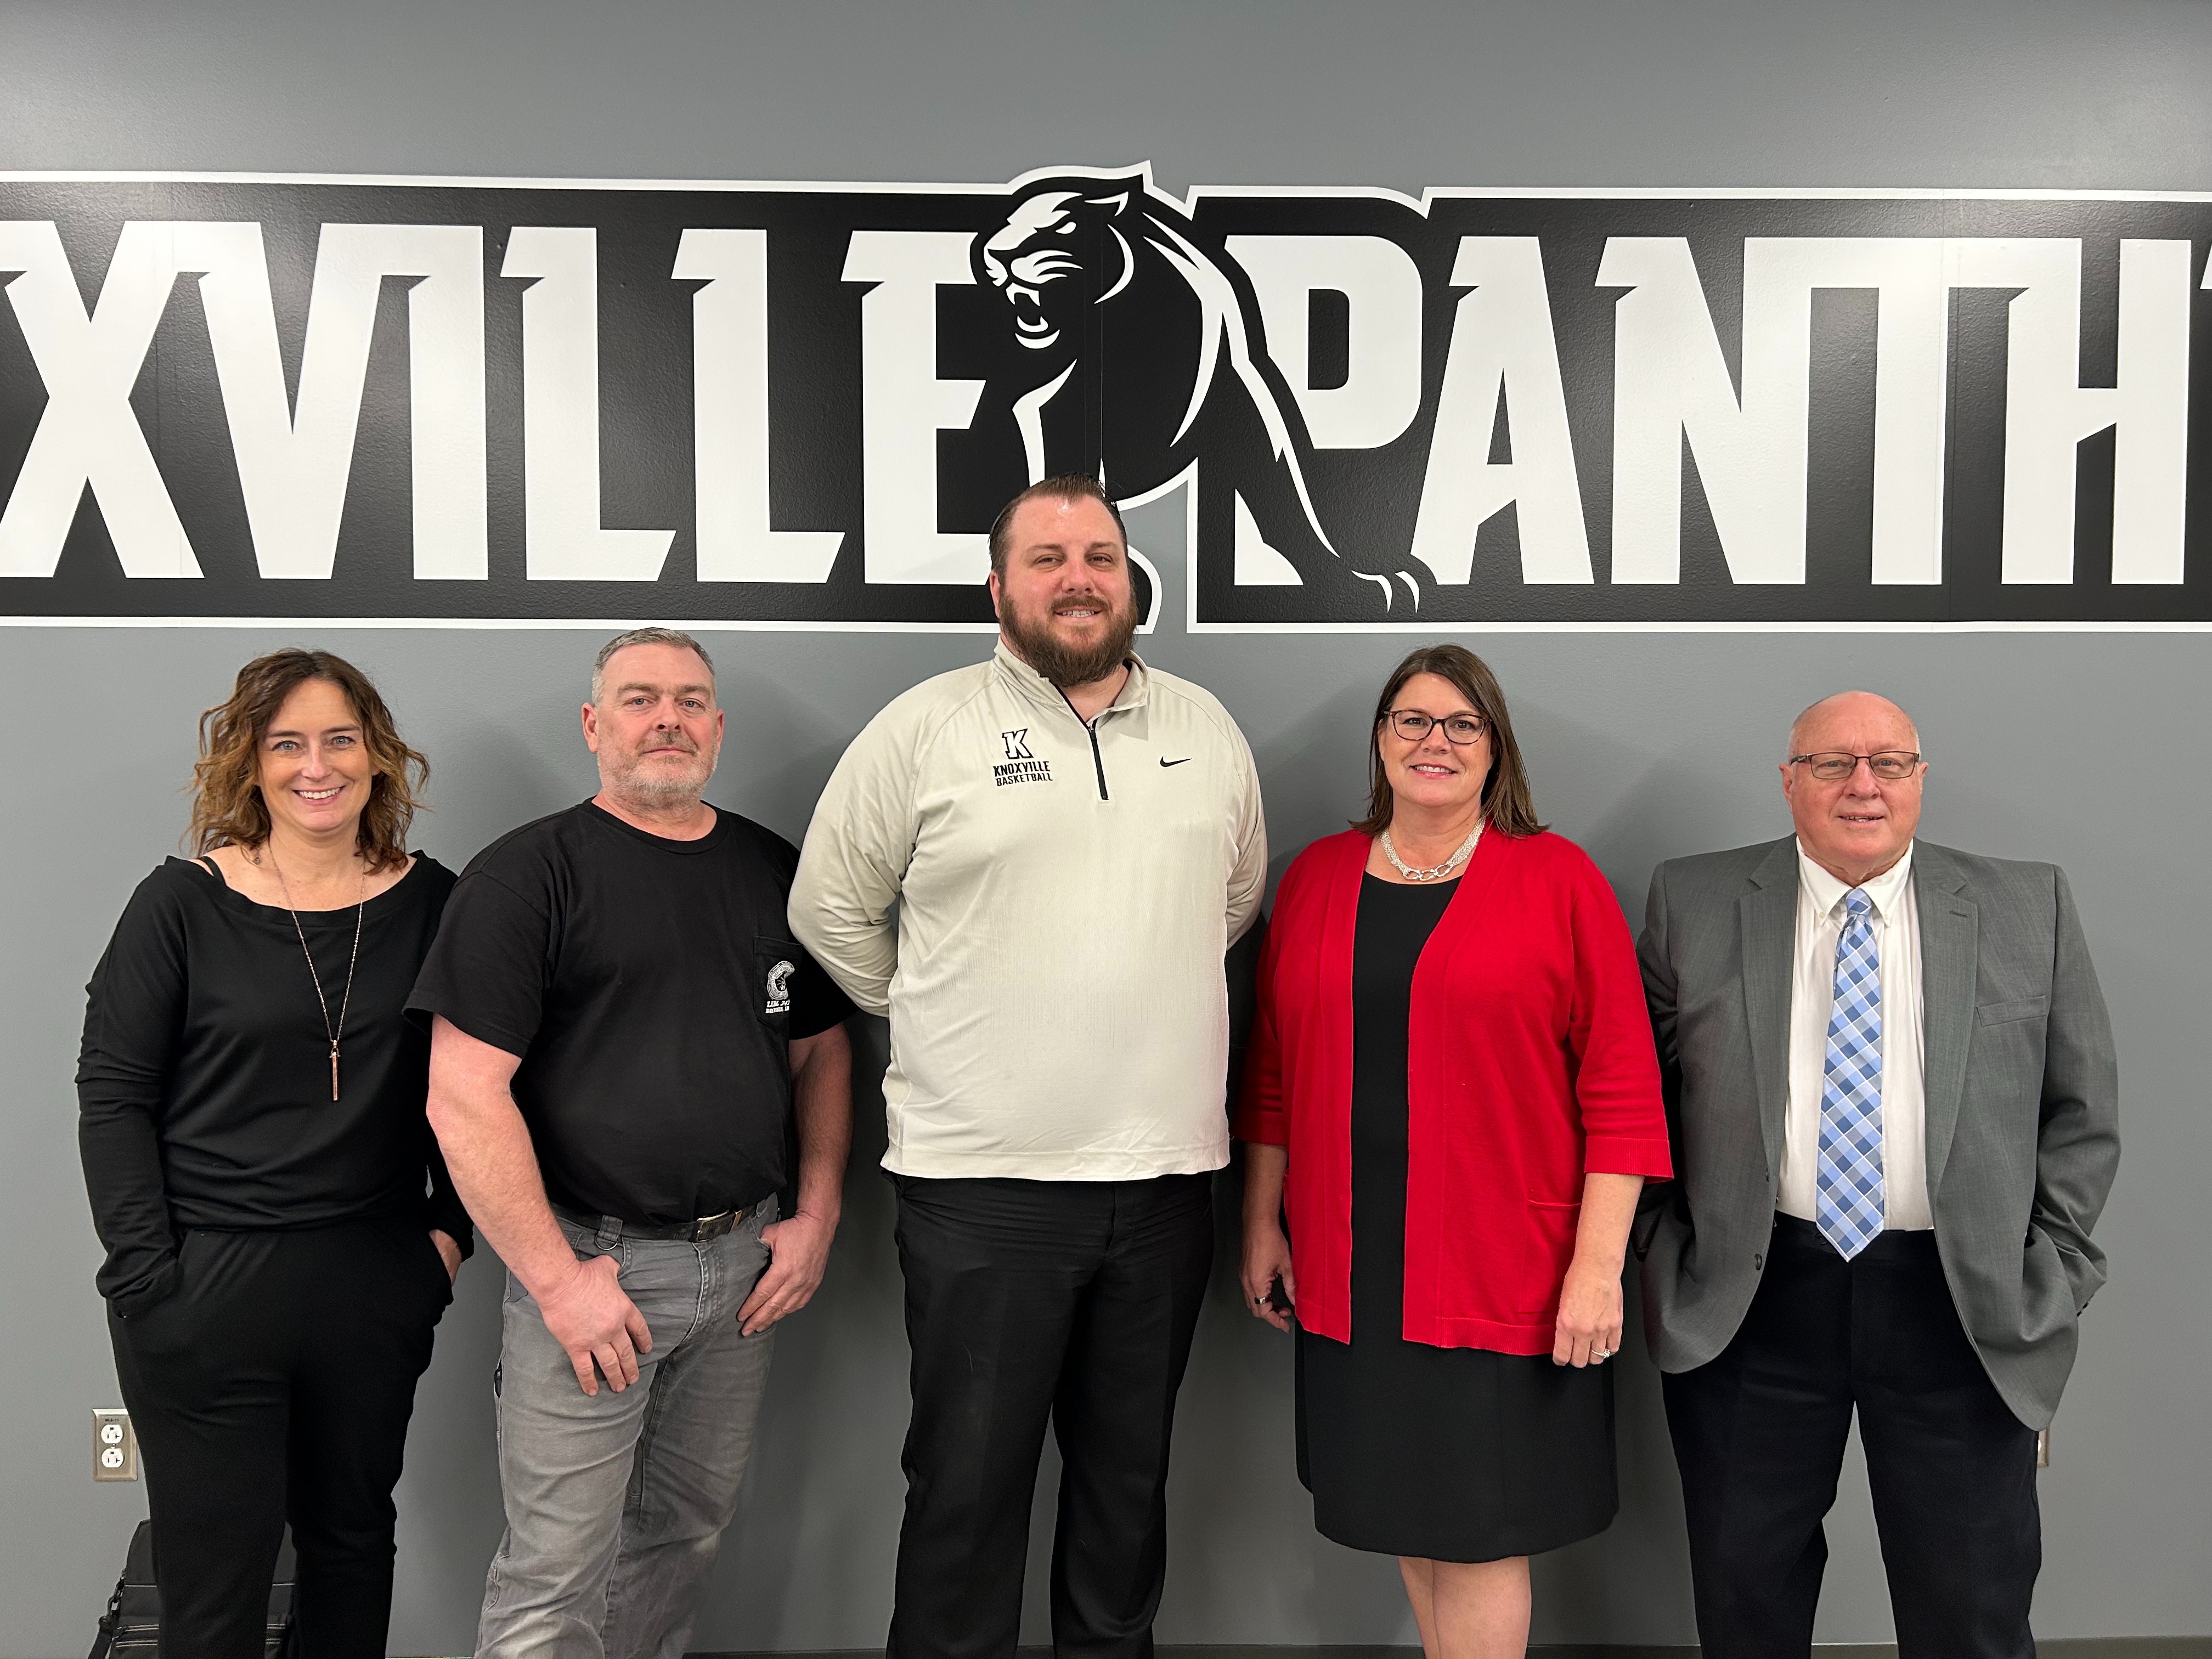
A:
(776, 965)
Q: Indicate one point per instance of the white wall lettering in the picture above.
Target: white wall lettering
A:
(1912, 331)
(2150, 462)
(729, 402)
(1381, 392)
(1671, 382)
(1502, 344)
(2048, 411)
(89, 434)
(293, 463)
(903, 406)
(560, 416)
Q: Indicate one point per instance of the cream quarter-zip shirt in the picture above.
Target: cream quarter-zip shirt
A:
(1065, 896)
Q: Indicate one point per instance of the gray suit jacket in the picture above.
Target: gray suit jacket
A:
(2022, 1101)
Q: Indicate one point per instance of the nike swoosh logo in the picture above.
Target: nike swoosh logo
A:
(1185, 760)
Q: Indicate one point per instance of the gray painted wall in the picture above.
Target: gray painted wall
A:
(2082, 749)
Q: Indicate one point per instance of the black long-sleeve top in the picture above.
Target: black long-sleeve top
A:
(203, 1085)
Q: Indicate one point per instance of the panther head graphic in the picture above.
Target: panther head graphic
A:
(1113, 289)
(1037, 260)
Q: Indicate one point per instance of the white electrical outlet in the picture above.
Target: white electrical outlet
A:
(114, 1447)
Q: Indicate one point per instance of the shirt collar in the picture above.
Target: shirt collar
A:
(1039, 690)
(1887, 889)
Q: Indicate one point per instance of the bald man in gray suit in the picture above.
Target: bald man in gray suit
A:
(1895, 1108)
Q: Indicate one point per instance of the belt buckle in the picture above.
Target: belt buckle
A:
(713, 1226)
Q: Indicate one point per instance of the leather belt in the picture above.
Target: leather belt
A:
(688, 1232)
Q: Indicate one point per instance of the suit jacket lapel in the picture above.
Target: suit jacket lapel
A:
(1768, 917)
(1950, 939)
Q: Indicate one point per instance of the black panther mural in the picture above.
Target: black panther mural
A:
(318, 400)
(1139, 352)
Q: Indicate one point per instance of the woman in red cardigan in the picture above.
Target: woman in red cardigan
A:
(1451, 1091)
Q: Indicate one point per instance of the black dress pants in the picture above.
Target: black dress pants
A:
(1759, 1434)
(273, 1385)
(1074, 1300)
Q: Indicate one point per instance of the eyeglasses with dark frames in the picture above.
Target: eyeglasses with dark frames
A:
(1890, 765)
(1413, 725)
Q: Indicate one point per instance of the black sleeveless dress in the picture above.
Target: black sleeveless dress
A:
(1449, 1453)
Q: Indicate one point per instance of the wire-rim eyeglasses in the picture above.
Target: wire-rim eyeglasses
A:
(1890, 765)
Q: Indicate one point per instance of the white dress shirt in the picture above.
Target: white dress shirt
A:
(1820, 918)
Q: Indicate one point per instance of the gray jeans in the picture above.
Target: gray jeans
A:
(616, 1503)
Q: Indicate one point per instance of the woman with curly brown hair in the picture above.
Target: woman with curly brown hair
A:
(280, 1234)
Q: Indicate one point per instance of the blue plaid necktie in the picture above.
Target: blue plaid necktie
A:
(1848, 1195)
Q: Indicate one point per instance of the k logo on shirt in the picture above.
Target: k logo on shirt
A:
(1019, 766)
(779, 988)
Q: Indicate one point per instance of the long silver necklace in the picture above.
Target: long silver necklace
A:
(360, 911)
(1433, 871)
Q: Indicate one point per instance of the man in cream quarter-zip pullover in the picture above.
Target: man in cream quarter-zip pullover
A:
(1066, 893)
(1073, 841)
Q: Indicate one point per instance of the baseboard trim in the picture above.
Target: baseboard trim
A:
(2072, 1647)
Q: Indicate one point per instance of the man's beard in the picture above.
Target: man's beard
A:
(1035, 642)
(660, 783)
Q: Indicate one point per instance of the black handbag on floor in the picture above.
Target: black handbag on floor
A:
(131, 1627)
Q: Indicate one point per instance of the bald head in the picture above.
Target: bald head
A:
(1859, 711)
(1854, 826)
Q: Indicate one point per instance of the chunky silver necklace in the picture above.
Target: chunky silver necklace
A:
(345, 1002)
(1434, 871)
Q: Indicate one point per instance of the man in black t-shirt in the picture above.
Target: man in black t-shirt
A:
(624, 1034)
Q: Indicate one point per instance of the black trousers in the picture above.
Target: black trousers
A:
(1074, 1300)
(1759, 1434)
(274, 1385)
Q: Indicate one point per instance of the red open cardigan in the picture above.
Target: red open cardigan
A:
(1530, 1064)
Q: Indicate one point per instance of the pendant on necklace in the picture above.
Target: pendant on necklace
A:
(334, 1070)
